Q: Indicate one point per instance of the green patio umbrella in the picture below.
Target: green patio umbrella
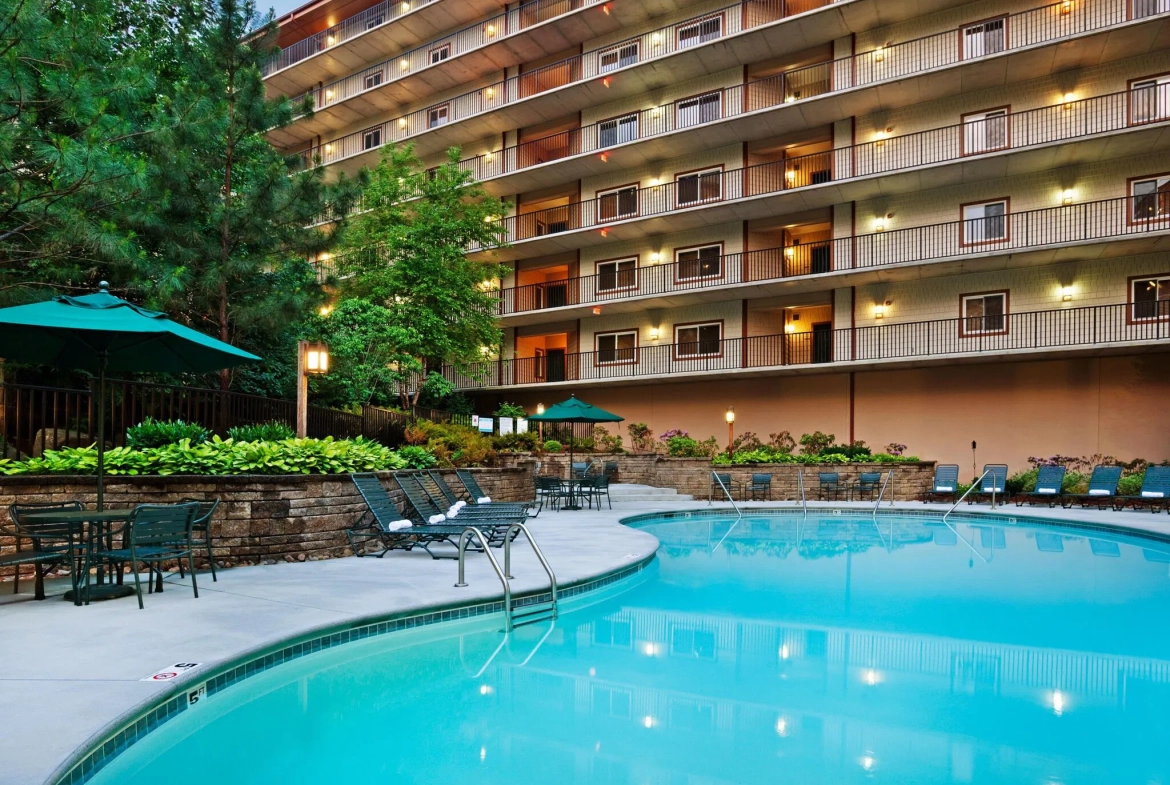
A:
(100, 332)
(575, 411)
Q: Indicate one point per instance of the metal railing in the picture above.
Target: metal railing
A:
(1022, 29)
(717, 479)
(1059, 328)
(516, 529)
(878, 503)
(1080, 222)
(974, 485)
(803, 498)
(469, 534)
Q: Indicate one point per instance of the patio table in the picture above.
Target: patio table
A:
(573, 488)
(98, 527)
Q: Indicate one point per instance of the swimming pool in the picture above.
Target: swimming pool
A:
(776, 649)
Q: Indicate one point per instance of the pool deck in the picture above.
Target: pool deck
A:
(68, 674)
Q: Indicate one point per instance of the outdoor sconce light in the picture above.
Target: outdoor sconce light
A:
(1066, 6)
(405, 64)
(490, 92)
(605, 8)
(604, 157)
(597, 310)
(1066, 196)
(1068, 99)
(789, 327)
(405, 7)
(316, 358)
(540, 408)
(789, 252)
(655, 258)
(656, 39)
(401, 122)
(654, 333)
(879, 54)
(879, 312)
(605, 81)
(490, 30)
(1066, 294)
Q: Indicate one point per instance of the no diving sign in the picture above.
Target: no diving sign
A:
(172, 672)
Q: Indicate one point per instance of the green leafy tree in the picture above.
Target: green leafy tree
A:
(230, 222)
(71, 101)
(359, 335)
(408, 254)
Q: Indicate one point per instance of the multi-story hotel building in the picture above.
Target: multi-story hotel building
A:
(923, 222)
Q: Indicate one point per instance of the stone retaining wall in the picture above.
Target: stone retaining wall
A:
(260, 518)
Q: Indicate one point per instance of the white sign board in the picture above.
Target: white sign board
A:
(485, 425)
(522, 425)
(505, 425)
(475, 421)
(172, 671)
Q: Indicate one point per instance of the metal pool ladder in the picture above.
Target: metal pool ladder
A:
(974, 485)
(715, 477)
(530, 613)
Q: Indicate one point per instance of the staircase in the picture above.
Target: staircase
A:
(634, 492)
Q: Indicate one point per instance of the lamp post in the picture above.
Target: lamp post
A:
(730, 416)
(312, 360)
(540, 425)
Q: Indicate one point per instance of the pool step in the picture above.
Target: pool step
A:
(635, 492)
(533, 614)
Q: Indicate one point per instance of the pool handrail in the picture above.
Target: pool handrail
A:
(715, 476)
(517, 528)
(974, 485)
(472, 532)
(878, 503)
(803, 499)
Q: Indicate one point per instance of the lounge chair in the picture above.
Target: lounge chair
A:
(1102, 488)
(384, 524)
(830, 486)
(443, 494)
(428, 511)
(993, 485)
(760, 487)
(946, 484)
(1048, 488)
(477, 493)
(1155, 492)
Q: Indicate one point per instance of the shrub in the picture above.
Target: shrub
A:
(217, 456)
(517, 442)
(158, 433)
(815, 443)
(261, 432)
(641, 437)
(552, 445)
(854, 451)
(416, 457)
(666, 436)
(510, 410)
(1131, 484)
(604, 441)
(781, 442)
(451, 444)
(895, 449)
(746, 441)
(686, 447)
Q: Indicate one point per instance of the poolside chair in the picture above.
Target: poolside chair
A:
(426, 510)
(52, 545)
(595, 488)
(829, 488)
(445, 497)
(156, 533)
(1048, 488)
(1102, 488)
(993, 485)
(946, 484)
(581, 468)
(201, 530)
(867, 485)
(381, 522)
(474, 489)
(550, 490)
(725, 478)
(760, 487)
(1155, 492)
(610, 470)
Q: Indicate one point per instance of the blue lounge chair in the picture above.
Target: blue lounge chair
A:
(1155, 492)
(444, 496)
(1047, 491)
(946, 484)
(829, 488)
(1102, 488)
(994, 484)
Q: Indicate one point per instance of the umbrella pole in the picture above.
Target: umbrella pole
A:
(572, 477)
(103, 358)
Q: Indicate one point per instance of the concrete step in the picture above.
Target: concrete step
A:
(634, 492)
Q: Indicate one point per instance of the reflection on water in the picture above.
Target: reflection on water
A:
(779, 650)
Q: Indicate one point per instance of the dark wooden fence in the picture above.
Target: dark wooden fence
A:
(34, 418)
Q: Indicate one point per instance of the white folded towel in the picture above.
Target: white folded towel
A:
(1098, 492)
(1045, 490)
(451, 513)
(436, 519)
(945, 488)
(395, 526)
(1153, 495)
(459, 505)
(483, 500)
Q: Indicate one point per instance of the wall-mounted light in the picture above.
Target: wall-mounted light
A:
(1066, 7)
(655, 112)
(604, 232)
(604, 157)
(654, 333)
(404, 64)
(879, 54)
(789, 327)
(405, 7)
(654, 181)
(1066, 196)
(1066, 294)
(655, 258)
(490, 93)
(401, 122)
(485, 350)
(597, 310)
(789, 252)
(490, 30)
(790, 175)
(328, 95)
(331, 40)
(328, 148)
(488, 155)
(1067, 99)
(656, 39)
(879, 311)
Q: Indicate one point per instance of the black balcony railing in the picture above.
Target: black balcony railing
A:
(1072, 223)
(1065, 328)
(1022, 29)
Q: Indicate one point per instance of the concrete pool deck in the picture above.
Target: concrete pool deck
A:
(69, 674)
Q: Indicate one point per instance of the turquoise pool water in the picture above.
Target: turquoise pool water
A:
(772, 650)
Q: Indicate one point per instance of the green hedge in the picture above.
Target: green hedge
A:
(766, 455)
(219, 457)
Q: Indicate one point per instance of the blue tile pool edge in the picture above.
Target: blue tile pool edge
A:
(124, 731)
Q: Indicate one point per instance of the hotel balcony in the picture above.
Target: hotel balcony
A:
(1095, 330)
(1101, 27)
(1106, 228)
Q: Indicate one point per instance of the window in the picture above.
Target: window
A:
(617, 203)
(696, 187)
(1150, 298)
(700, 32)
(985, 38)
(703, 262)
(1151, 198)
(617, 57)
(698, 340)
(1149, 99)
(700, 109)
(985, 222)
(372, 139)
(616, 275)
(616, 348)
(1144, 8)
(373, 80)
(440, 54)
(437, 116)
(984, 313)
(617, 131)
(374, 21)
(985, 131)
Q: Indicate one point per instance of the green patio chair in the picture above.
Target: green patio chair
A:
(51, 545)
(156, 533)
(201, 530)
(946, 484)
(1102, 489)
(1048, 487)
(829, 487)
(1154, 493)
(867, 485)
(760, 487)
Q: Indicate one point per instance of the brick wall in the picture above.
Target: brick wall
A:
(260, 518)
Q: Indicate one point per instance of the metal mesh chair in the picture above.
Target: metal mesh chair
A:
(156, 533)
(51, 545)
(201, 529)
